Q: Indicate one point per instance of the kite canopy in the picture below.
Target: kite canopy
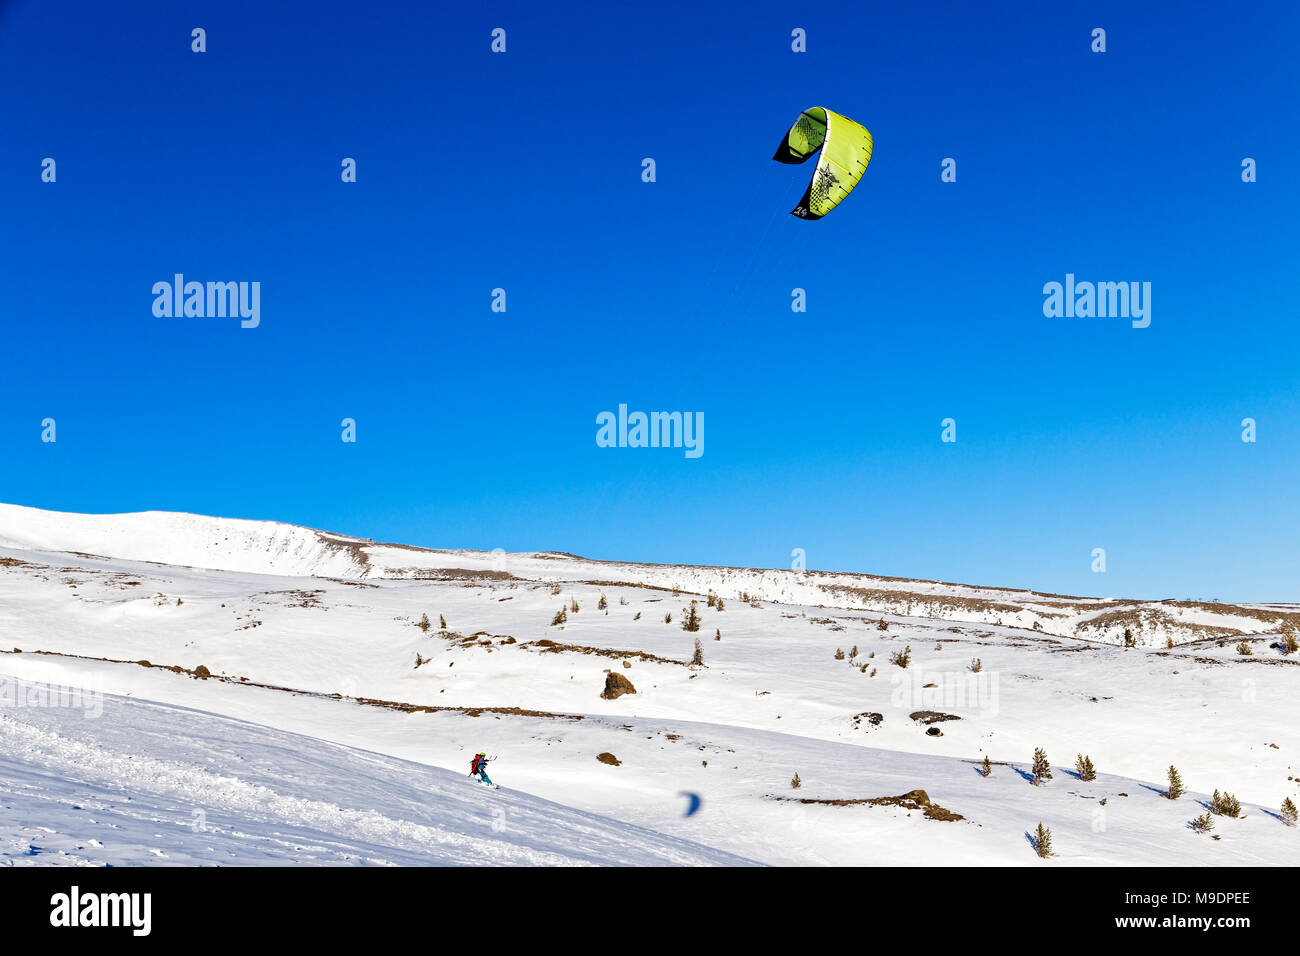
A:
(846, 150)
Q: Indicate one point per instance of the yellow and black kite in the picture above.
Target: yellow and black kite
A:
(846, 150)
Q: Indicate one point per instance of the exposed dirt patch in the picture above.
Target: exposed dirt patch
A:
(941, 813)
(874, 719)
(931, 717)
(610, 759)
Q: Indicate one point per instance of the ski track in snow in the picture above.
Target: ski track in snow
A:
(68, 755)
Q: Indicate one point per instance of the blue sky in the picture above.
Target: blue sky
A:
(522, 171)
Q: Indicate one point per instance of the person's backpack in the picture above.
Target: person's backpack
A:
(473, 765)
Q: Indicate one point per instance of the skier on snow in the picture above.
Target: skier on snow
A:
(478, 768)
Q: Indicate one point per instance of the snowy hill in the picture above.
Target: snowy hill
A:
(267, 547)
(147, 783)
(225, 544)
(214, 646)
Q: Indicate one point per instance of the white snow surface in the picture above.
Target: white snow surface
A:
(149, 783)
(273, 548)
(318, 740)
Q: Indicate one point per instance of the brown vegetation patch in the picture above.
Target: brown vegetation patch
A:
(1145, 618)
(912, 800)
(296, 597)
(1275, 619)
(634, 584)
(477, 639)
(830, 622)
(609, 758)
(434, 709)
(555, 647)
(352, 547)
(364, 701)
(929, 603)
(931, 716)
(455, 574)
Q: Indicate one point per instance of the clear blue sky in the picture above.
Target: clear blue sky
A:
(523, 171)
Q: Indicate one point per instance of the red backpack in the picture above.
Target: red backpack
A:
(473, 765)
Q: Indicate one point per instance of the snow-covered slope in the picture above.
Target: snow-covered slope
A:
(784, 687)
(150, 783)
(267, 547)
(226, 544)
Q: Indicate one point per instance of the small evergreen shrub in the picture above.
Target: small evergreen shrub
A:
(1043, 841)
(1176, 788)
(1041, 770)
